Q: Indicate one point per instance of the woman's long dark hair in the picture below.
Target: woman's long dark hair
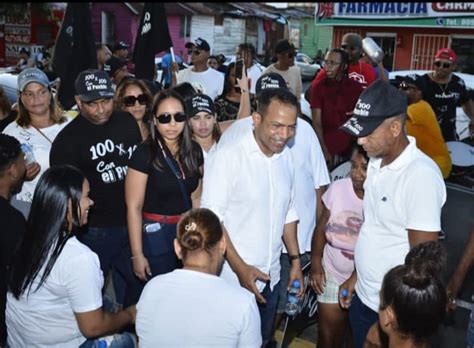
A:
(47, 226)
(187, 153)
(227, 84)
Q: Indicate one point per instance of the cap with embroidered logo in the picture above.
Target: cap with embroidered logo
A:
(376, 103)
(199, 103)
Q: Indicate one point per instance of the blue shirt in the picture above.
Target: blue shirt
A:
(166, 64)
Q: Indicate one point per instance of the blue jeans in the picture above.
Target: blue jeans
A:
(108, 243)
(124, 340)
(470, 331)
(361, 318)
(268, 311)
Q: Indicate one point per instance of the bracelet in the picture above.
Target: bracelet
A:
(244, 90)
(136, 256)
(293, 257)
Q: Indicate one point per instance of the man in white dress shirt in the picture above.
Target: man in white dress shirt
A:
(249, 184)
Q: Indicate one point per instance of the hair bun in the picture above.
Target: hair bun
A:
(191, 239)
(423, 262)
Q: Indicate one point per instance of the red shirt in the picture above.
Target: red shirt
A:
(336, 101)
(361, 72)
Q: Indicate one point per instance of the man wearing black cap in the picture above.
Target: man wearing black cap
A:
(203, 78)
(121, 50)
(100, 142)
(404, 194)
(422, 123)
(117, 70)
(285, 66)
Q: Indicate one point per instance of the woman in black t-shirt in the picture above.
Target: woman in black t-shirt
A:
(164, 177)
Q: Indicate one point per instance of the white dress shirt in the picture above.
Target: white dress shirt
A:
(253, 195)
(311, 173)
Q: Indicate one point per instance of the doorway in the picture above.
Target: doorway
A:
(464, 48)
(386, 42)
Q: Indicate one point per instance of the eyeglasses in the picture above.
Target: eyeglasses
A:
(166, 117)
(349, 47)
(445, 65)
(330, 63)
(130, 100)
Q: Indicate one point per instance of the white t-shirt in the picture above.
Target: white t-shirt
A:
(311, 173)
(41, 148)
(254, 74)
(253, 196)
(406, 194)
(210, 82)
(292, 76)
(45, 318)
(187, 308)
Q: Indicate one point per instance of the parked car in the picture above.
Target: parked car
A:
(308, 66)
(462, 120)
(8, 81)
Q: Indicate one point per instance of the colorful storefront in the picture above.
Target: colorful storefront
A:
(409, 33)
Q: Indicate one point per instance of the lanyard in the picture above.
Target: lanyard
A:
(178, 173)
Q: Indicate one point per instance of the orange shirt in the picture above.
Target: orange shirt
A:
(423, 125)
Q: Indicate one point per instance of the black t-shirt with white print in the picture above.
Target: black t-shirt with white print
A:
(102, 153)
(444, 99)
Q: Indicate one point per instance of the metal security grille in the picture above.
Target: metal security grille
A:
(425, 48)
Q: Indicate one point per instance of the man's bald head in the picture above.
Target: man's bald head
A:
(352, 44)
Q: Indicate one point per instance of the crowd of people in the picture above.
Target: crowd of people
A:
(198, 200)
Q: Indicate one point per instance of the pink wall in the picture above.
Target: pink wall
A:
(126, 22)
(178, 42)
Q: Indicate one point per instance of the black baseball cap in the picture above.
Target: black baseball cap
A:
(200, 44)
(376, 103)
(121, 46)
(270, 80)
(113, 64)
(200, 102)
(93, 84)
(412, 79)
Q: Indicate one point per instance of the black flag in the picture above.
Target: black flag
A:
(153, 37)
(74, 50)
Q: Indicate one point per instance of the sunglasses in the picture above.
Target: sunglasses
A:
(445, 65)
(403, 86)
(130, 100)
(348, 47)
(166, 117)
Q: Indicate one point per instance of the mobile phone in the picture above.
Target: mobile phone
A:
(238, 68)
(153, 227)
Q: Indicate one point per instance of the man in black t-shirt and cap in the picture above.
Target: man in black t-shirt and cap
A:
(100, 141)
(120, 50)
(445, 92)
(117, 70)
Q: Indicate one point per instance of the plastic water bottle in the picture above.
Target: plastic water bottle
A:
(292, 305)
(105, 342)
(344, 292)
(28, 151)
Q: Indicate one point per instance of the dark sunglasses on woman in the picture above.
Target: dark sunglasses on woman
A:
(166, 117)
(445, 65)
(130, 100)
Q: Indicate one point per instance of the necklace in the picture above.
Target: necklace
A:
(444, 95)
